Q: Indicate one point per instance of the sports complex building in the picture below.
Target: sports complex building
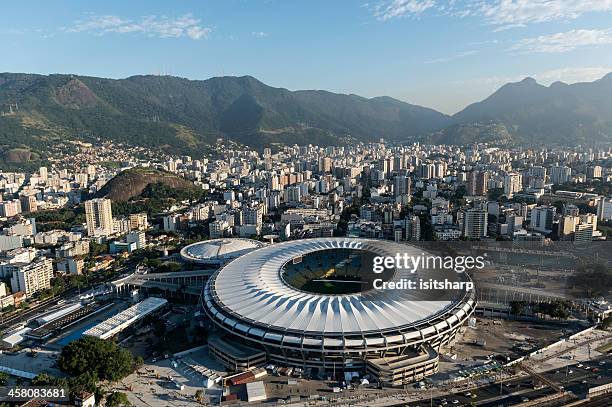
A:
(217, 252)
(310, 304)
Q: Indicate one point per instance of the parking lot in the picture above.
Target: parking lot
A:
(172, 381)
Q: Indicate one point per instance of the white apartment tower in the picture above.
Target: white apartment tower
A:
(99, 217)
(32, 277)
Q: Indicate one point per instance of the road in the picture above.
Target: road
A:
(518, 390)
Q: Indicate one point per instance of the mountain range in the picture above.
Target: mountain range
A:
(186, 116)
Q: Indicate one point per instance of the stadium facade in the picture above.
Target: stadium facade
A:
(283, 300)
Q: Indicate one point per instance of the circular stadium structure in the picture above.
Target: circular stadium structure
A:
(308, 304)
(218, 251)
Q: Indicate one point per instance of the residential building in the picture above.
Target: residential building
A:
(32, 277)
(475, 224)
(99, 217)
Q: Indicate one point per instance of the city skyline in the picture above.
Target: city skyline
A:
(371, 202)
(439, 54)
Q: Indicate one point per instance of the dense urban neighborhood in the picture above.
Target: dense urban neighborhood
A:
(98, 241)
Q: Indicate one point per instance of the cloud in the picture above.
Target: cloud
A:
(503, 14)
(573, 75)
(260, 34)
(389, 9)
(564, 41)
(151, 26)
(515, 13)
(452, 57)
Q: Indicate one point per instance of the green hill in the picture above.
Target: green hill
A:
(144, 182)
(534, 114)
(184, 116)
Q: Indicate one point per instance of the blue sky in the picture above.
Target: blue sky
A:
(443, 54)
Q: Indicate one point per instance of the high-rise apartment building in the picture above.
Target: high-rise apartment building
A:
(560, 174)
(28, 203)
(138, 221)
(478, 183)
(542, 218)
(10, 208)
(325, 164)
(137, 237)
(475, 224)
(604, 209)
(31, 277)
(413, 227)
(513, 183)
(401, 185)
(594, 172)
(99, 217)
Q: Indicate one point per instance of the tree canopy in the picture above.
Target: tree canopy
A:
(103, 358)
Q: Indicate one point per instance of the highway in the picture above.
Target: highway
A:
(574, 379)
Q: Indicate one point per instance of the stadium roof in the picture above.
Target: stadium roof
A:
(219, 250)
(113, 325)
(251, 291)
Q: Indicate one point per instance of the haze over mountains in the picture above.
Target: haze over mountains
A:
(184, 116)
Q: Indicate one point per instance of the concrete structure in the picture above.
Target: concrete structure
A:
(604, 209)
(137, 237)
(31, 277)
(218, 251)
(542, 218)
(478, 183)
(513, 183)
(71, 265)
(560, 174)
(138, 221)
(475, 224)
(99, 217)
(121, 247)
(15, 337)
(254, 301)
(256, 391)
(114, 325)
(235, 356)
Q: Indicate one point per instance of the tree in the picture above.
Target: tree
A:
(199, 396)
(3, 378)
(495, 194)
(517, 307)
(117, 399)
(103, 358)
(138, 362)
(592, 280)
(84, 382)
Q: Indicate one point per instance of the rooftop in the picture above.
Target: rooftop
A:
(219, 250)
(119, 322)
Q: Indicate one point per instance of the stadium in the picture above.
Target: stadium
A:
(310, 304)
(218, 251)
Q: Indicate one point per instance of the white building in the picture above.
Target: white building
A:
(542, 218)
(137, 237)
(32, 277)
(99, 217)
(560, 174)
(604, 209)
(71, 265)
(513, 183)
